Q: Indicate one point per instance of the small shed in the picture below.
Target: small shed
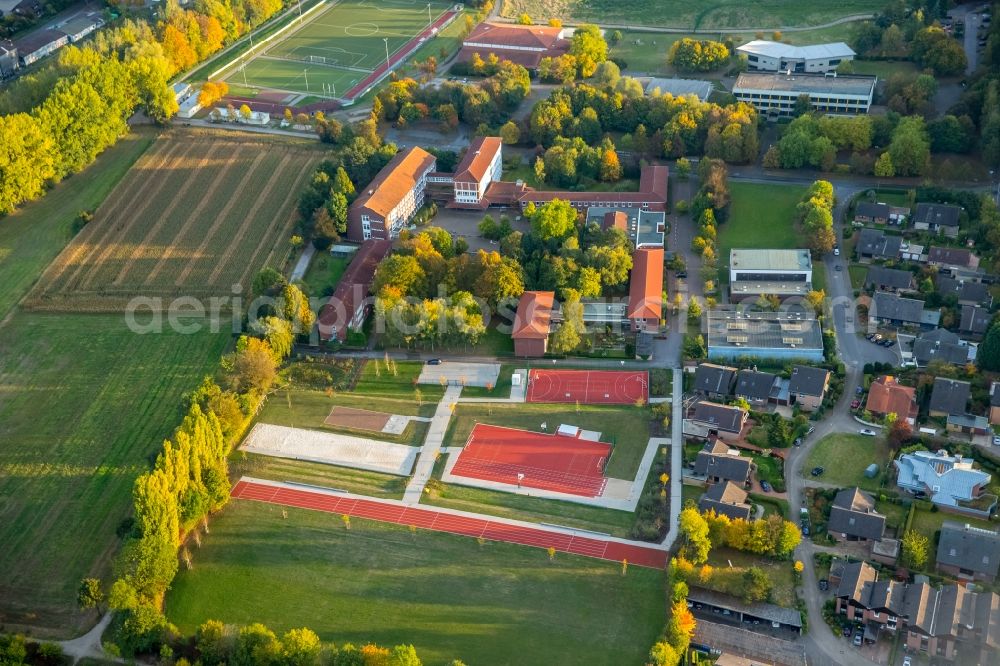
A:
(871, 471)
(568, 430)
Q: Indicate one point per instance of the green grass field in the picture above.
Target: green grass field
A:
(624, 426)
(324, 273)
(396, 380)
(760, 216)
(358, 481)
(778, 571)
(337, 47)
(32, 237)
(84, 403)
(845, 458)
(680, 14)
(447, 595)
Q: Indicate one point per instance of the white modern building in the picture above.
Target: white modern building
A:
(481, 165)
(776, 94)
(773, 272)
(767, 56)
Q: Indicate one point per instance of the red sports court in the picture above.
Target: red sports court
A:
(589, 387)
(561, 462)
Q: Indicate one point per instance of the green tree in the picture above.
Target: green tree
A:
(90, 594)
(589, 48)
(694, 534)
(28, 158)
(510, 133)
(256, 645)
(682, 168)
(915, 549)
(554, 220)
(884, 167)
(214, 644)
(525, 19)
(664, 654)
(756, 585)
(989, 351)
(400, 274)
(404, 655)
(267, 281)
(567, 337)
(910, 148)
(301, 647)
(296, 310)
(697, 55)
(779, 433)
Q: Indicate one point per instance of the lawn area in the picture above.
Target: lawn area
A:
(649, 55)
(778, 571)
(324, 273)
(819, 276)
(359, 481)
(772, 505)
(771, 470)
(883, 69)
(503, 386)
(397, 379)
(447, 595)
(858, 273)
(691, 493)
(895, 514)
(84, 404)
(298, 408)
(760, 216)
(845, 458)
(627, 428)
(929, 523)
(32, 237)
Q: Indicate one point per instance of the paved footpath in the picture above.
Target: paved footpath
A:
(432, 445)
(564, 540)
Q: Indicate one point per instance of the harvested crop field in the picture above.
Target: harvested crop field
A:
(198, 213)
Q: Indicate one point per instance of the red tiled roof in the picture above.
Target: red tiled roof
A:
(615, 219)
(887, 396)
(506, 36)
(477, 159)
(394, 181)
(645, 294)
(653, 178)
(526, 59)
(652, 190)
(352, 289)
(534, 312)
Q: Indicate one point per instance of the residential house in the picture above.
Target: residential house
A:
(975, 321)
(481, 165)
(645, 292)
(867, 212)
(807, 386)
(966, 292)
(880, 278)
(952, 257)
(718, 463)
(887, 396)
(350, 302)
(875, 245)
(949, 481)
(968, 424)
(949, 397)
(392, 199)
(757, 388)
(862, 597)
(888, 309)
(531, 324)
(941, 345)
(724, 421)
(953, 623)
(968, 552)
(36, 45)
(726, 499)
(714, 381)
(853, 517)
(995, 403)
(937, 218)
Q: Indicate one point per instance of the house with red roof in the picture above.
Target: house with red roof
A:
(531, 324)
(350, 303)
(645, 296)
(888, 396)
(481, 165)
(524, 45)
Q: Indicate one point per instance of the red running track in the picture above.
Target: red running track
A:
(546, 461)
(399, 55)
(430, 519)
(589, 387)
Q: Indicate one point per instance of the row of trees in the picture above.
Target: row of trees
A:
(587, 50)
(680, 626)
(324, 203)
(815, 214)
(700, 532)
(569, 161)
(656, 125)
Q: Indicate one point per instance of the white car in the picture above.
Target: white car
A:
(836, 251)
(867, 431)
(996, 441)
(906, 661)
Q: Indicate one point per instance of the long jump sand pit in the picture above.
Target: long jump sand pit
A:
(358, 419)
(330, 449)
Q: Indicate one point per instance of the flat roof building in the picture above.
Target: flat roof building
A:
(680, 88)
(776, 94)
(767, 56)
(776, 272)
(735, 332)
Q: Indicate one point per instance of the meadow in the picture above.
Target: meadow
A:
(449, 596)
(84, 404)
(198, 213)
(760, 216)
(722, 14)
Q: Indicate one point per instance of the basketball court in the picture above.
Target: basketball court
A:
(557, 462)
(588, 387)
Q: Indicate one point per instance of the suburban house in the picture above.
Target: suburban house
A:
(393, 197)
(875, 245)
(952, 257)
(862, 597)
(968, 552)
(867, 212)
(645, 291)
(531, 324)
(880, 278)
(773, 272)
(524, 45)
(887, 396)
(481, 165)
(889, 309)
(776, 94)
(714, 381)
(350, 303)
(966, 292)
(995, 403)
(81, 26)
(718, 463)
(768, 56)
(950, 482)
(937, 218)
(975, 321)
(757, 388)
(940, 345)
(736, 332)
(807, 386)
(722, 420)
(853, 517)
(726, 499)
(949, 397)
(35, 46)
(968, 424)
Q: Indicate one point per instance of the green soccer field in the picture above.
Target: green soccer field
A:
(339, 46)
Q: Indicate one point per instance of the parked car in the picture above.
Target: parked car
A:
(859, 637)
(838, 268)
(867, 432)
(858, 390)
(836, 251)
(805, 529)
(824, 584)
(996, 441)
(434, 361)
(817, 471)
(855, 404)
(889, 343)
(847, 631)
(765, 486)
(798, 441)
(870, 337)
(811, 430)
(906, 661)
